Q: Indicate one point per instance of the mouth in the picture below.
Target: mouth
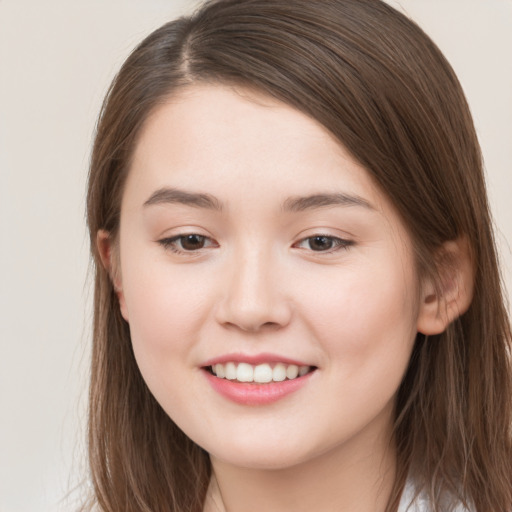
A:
(257, 380)
(264, 373)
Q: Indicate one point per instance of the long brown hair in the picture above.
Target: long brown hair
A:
(384, 90)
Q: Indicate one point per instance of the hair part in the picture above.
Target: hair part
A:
(374, 80)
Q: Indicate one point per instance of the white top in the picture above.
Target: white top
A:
(408, 503)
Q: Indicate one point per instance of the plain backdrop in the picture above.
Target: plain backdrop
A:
(57, 58)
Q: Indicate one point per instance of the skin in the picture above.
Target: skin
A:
(257, 286)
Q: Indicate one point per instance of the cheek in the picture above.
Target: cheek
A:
(165, 311)
(366, 315)
(166, 314)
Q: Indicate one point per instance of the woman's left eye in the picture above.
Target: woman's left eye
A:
(187, 243)
(324, 243)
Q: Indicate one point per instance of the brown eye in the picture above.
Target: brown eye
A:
(321, 243)
(324, 243)
(192, 242)
(186, 244)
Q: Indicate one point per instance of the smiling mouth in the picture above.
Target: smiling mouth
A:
(259, 374)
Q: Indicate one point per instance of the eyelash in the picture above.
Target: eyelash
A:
(172, 243)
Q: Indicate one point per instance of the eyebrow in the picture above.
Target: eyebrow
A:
(292, 204)
(176, 196)
(312, 202)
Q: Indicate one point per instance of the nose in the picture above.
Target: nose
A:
(252, 297)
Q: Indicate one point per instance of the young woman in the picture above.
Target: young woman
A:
(297, 298)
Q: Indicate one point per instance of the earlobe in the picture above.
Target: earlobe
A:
(110, 261)
(448, 297)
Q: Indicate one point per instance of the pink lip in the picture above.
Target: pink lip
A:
(253, 359)
(253, 393)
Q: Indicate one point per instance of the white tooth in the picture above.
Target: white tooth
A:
(292, 371)
(279, 372)
(230, 371)
(219, 370)
(262, 373)
(244, 372)
(303, 370)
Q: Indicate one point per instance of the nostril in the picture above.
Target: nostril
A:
(254, 327)
(270, 325)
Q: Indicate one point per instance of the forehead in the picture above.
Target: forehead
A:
(212, 136)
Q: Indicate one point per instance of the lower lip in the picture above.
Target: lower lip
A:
(253, 393)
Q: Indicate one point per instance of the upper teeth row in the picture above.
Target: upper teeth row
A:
(260, 373)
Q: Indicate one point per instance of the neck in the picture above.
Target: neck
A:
(353, 477)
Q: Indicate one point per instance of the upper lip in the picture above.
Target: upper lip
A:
(253, 359)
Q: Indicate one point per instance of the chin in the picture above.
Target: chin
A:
(260, 461)
(263, 455)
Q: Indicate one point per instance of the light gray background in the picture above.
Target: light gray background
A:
(57, 58)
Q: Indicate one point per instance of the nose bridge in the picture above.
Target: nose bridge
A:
(252, 295)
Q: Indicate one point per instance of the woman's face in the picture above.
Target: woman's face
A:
(253, 246)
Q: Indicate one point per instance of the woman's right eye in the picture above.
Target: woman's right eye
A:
(187, 243)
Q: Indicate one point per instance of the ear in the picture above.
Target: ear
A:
(109, 256)
(442, 304)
